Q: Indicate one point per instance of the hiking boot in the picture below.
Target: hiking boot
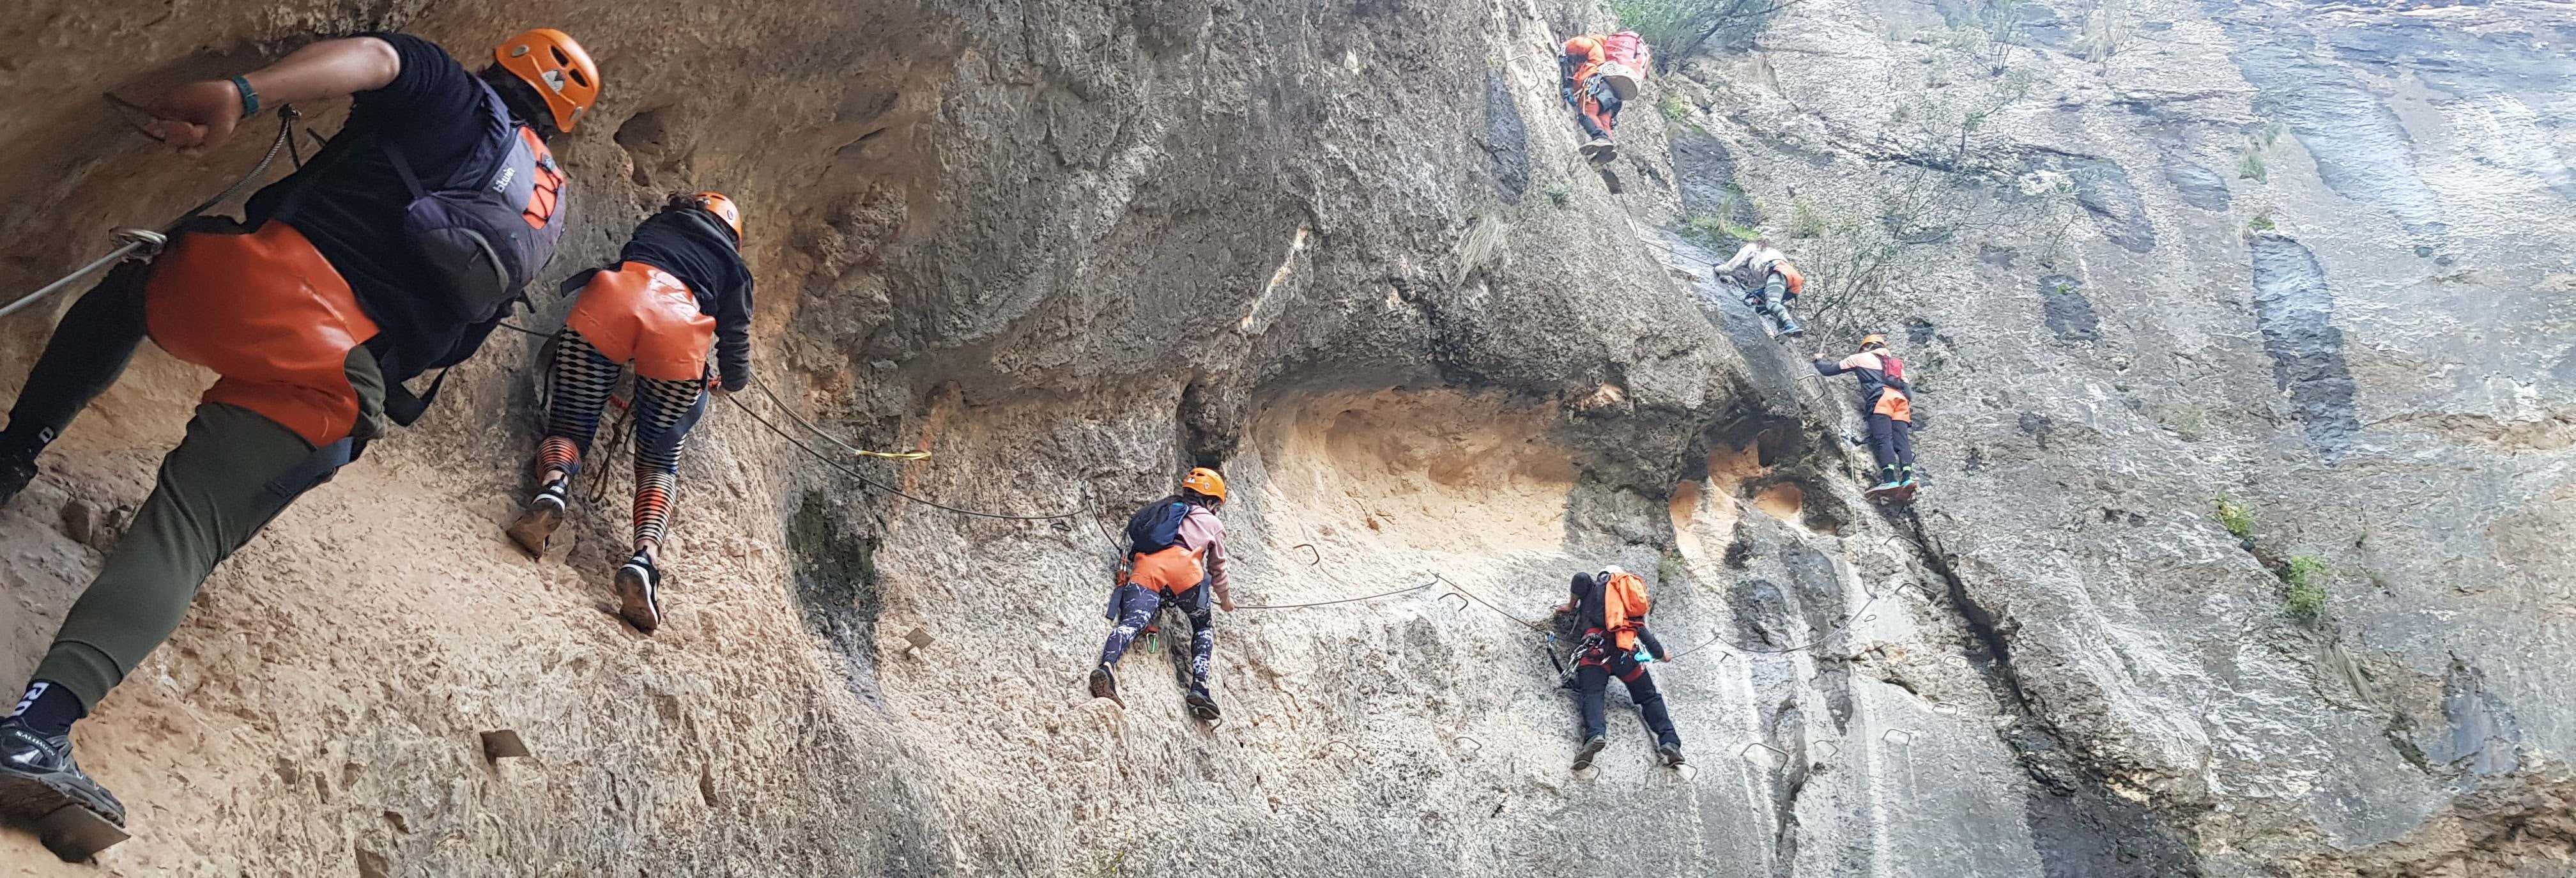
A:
(545, 512)
(1201, 704)
(1670, 755)
(15, 473)
(639, 587)
(1885, 490)
(1591, 748)
(37, 777)
(1595, 147)
(1790, 328)
(1103, 683)
(1609, 152)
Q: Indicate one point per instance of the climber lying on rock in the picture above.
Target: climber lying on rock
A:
(1175, 556)
(313, 311)
(678, 288)
(1610, 609)
(1887, 402)
(1768, 280)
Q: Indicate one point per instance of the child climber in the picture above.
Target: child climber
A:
(679, 287)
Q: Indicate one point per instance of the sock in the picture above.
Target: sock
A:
(48, 708)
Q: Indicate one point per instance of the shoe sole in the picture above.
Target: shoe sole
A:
(28, 800)
(1583, 758)
(1104, 686)
(535, 528)
(635, 601)
(1203, 708)
(1670, 759)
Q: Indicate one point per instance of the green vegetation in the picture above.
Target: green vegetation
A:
(1717, 230)
(2304, 594)
(1668, 568)
(2262, 222)
(1675, 29)
(1804, 222)
(2238, 520)
(2250, 166)
(1676, 108)
(2191, 422)
(1557, 195)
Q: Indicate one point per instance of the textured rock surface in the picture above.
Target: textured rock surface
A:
(1346, 251)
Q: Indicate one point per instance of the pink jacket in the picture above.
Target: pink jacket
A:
(1201, 532)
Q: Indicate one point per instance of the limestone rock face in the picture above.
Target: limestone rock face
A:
(2142, 255)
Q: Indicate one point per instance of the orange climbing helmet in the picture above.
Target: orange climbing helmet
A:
(715, 203)
(1205, 481)
(1872, 339)
(559, 68)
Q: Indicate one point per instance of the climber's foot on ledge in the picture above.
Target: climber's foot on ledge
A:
(43, 790)
(537, 524)
(1202, 705)
(639, 588)
(1591, 748)
(1103, 683)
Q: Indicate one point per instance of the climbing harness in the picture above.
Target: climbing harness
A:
(144, 244)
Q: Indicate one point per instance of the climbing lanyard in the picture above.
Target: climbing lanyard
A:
(144, 244)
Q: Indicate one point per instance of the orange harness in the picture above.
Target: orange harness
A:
(268, 313)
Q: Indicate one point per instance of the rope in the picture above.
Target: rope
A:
(791, 414)
(845, 469)
(1435, 580)
(148, 242)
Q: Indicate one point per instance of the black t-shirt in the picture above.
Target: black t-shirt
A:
(435, 112)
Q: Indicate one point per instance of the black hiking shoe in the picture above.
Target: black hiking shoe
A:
(1790, 328)
(37, 778)
(639, 587)
(1591, 748)
(1103, 683)
(1670, 755)
(1201, 704)
(545, 512)
(15, 474)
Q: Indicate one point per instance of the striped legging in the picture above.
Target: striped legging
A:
(578, 389)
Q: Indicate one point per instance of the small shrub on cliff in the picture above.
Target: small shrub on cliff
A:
(2238, 520)
(1677, 28)
(2304, 589)
(1668, 568)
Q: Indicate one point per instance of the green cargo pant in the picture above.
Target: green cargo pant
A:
(234, 472)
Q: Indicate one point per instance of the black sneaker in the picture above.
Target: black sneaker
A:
(639, 588)
(37, 778)
(15, 473)
(1201, 704)
(1591, 748)
(1670, 754)
(537, 524)
(1103, 683)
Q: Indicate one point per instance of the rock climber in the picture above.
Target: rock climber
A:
(1596, 104)
(1769, 281)
(313, 311)
(1609, 607)
(1176, 556)
(1889, 409)
(679, 286)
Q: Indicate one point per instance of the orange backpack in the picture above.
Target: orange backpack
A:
(1623, 608)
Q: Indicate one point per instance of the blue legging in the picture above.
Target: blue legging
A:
(1136, 608)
